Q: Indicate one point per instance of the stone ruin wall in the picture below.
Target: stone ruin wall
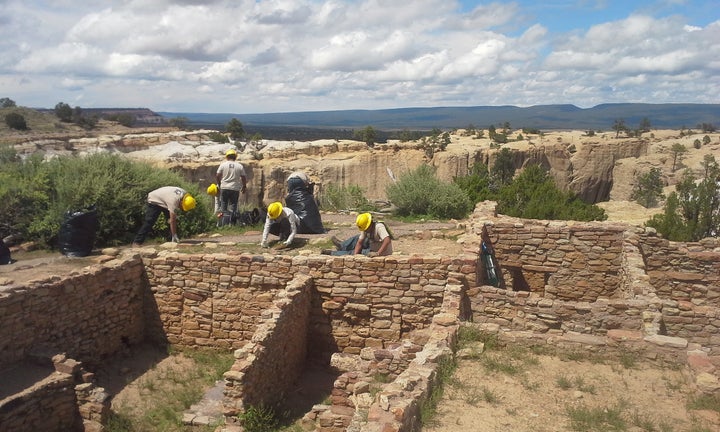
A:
(52, 326)
(393, 314)
(267, 367)
(88, 315)
(216, 300)
(593, 278)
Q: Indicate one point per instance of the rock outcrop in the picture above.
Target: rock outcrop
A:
(597, 168)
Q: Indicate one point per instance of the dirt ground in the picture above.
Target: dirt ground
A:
(541, 396)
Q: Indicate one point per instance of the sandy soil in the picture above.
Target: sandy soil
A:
(539, 398)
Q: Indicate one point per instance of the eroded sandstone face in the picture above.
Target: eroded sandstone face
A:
(597, 168)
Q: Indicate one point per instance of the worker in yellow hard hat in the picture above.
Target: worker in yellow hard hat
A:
(231, 182)
(374, 239)
(166, 200)
(281, 221)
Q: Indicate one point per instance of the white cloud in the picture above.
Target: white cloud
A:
(281, 55)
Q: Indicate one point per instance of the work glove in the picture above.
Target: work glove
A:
(175, 239)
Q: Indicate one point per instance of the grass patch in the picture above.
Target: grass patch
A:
(705, 402)
(428, 407)
(600, 419)
(164, 393)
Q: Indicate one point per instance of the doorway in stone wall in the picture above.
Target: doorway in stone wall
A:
(519, 283)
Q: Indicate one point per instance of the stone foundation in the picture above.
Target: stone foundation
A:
(594, 286)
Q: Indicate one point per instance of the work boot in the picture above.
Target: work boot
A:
(326, 252)
(336, 241)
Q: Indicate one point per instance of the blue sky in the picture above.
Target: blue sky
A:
(247, 56)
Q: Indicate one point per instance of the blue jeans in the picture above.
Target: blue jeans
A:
(348, 246)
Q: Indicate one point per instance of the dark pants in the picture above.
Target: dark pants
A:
(152, 213)
(229, 200)
(281, 228)
(4, 253)
(348, 246)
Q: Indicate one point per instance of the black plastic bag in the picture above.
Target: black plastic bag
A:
(302, 202)
(4, 254)
(77, 232)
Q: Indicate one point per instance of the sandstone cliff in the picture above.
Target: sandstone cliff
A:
(598, 168)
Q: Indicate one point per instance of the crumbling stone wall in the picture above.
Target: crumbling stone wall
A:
(49, 405)
(569, 261)
(267, 367)
(686, 276)
(686, 272)
(88, 315)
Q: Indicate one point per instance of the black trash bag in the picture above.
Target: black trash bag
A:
(302, 202)
(77, 232)
(5, 254)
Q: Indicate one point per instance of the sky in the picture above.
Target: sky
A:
(263, 56)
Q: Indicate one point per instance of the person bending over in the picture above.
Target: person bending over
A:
(374, 239)
(281, 221)
(165, 200)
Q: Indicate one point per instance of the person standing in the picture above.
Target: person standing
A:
(281, 221)
(374, 238)
(166, 200)
(231, 180)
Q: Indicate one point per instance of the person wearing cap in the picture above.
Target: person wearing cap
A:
(374, 239)
(166, 200)
(231, 181)
(281, 221)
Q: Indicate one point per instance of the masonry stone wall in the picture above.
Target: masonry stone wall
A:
(217, 300)
(50, 405)
(579, 261)
(88, 315)
(267, 367)
(687, 272)
(686, 276)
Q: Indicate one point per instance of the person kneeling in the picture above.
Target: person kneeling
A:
(374, 239)
(281, 221)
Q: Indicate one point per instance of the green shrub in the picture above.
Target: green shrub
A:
(35, 196)
(449, 202)
(534, 195)
(477, 183)
(419, 192)
(411, 193)
(15, 121)
(218, 137)
(259, 419)
(352, 197)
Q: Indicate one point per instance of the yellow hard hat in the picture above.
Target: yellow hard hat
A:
(274, 210)
(188, 202)
(363, 221)
(230, 152)
(212, 190)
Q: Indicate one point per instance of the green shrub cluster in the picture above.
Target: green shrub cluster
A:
(531, 195)
(421, 193)
(352, 197)
(36, 195)
(692, 212)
